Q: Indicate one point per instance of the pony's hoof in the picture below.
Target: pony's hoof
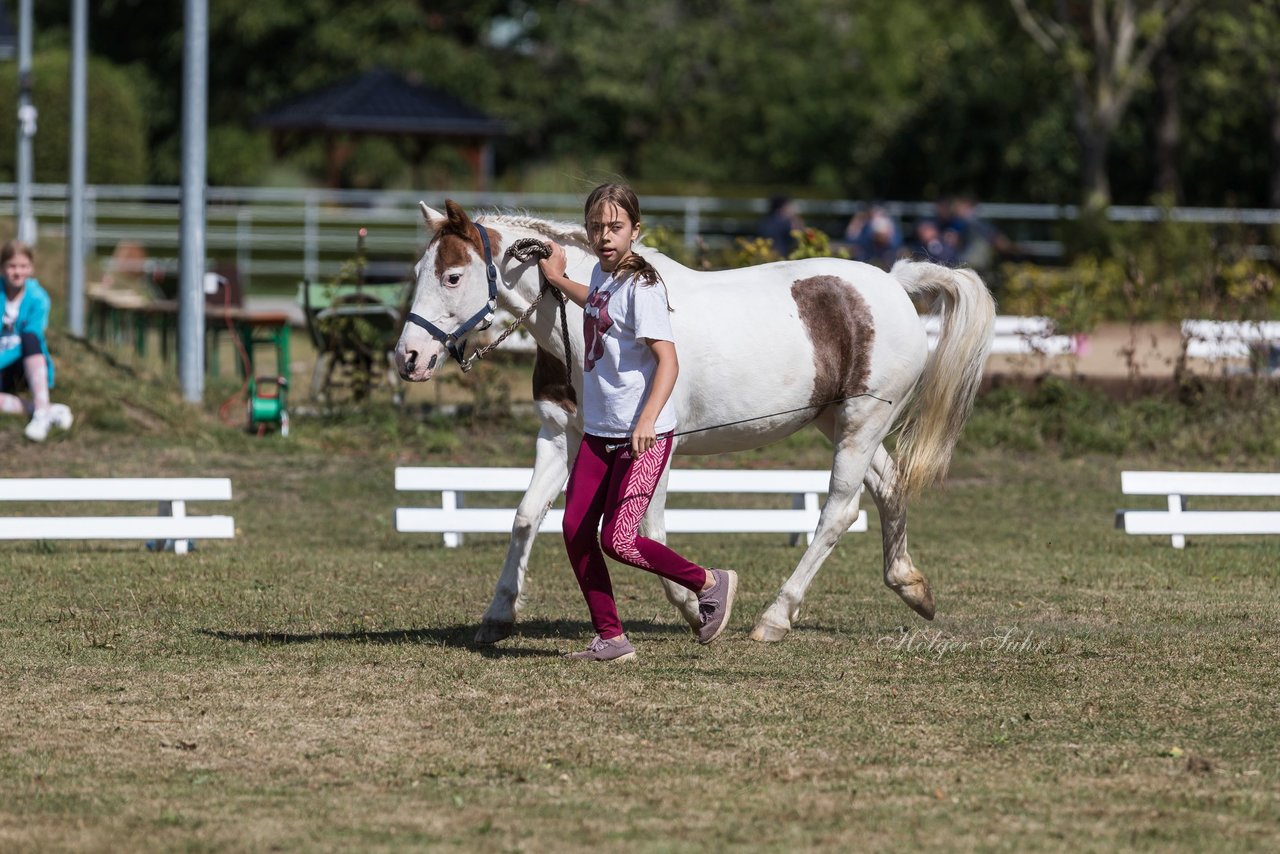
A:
(492, 631)
(768, 633)
(919, 596)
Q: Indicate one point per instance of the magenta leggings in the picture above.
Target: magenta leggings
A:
(613, 486)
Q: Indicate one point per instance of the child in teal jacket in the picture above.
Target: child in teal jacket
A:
(24, 355)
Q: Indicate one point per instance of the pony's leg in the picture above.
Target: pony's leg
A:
(550, 471)
(654, 527)
(854, 447)
(900, 573)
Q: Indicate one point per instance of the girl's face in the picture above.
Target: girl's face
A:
(17, 270)
(611, 233)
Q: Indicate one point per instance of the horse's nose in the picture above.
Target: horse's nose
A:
(410, 362)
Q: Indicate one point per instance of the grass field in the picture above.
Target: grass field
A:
(312, 684)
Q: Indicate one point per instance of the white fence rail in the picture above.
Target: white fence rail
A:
(1178, 522)
(1017, 336)
(453, 518)
(171, 523)
(1226, 339)
(307, 233)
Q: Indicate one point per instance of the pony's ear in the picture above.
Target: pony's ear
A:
(431, 216)
(459, 222)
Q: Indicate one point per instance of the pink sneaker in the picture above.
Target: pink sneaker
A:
(614, 650)
(715, 604)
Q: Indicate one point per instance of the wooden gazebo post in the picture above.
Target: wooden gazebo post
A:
(479, 156)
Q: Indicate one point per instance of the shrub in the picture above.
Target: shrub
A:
(1225, 420)
(237, 157)
(745, 252)
(117, 140)
(1135, 272)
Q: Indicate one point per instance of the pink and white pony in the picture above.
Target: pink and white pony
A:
(789, 337)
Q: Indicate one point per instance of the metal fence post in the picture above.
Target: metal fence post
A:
(26, 126)
(76, 169)
(310, 258)
(90, 221)
(244, 248)
(192, 243)
(692, 225)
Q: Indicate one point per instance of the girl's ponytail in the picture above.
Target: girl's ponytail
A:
(639, 268)
(644, 273)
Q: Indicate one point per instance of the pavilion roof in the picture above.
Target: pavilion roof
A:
(381, 102)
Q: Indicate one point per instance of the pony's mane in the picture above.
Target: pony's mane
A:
(562, 231)
(566, 232)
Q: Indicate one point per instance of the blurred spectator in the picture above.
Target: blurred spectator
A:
(976, 242)
(928, 243)
(779, 223)
(873, 236)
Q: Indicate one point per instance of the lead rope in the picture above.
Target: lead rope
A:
(525, 250)
(613, 446)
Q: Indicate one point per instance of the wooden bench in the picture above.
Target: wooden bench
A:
(1017, 336)
(1178, 522)
(1216, 340)
(453, 518)
(171, 523)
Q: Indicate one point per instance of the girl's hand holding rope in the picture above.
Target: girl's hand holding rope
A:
(555, 265)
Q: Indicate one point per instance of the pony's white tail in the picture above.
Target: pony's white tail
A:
(952, 373)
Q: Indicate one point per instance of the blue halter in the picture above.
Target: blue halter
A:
(481, 320)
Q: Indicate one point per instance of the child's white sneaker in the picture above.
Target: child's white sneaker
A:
(61, 416)
(38, 428)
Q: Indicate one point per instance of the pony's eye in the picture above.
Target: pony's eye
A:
(454, 278)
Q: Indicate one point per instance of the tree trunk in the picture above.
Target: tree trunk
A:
(1094, 142)
(1168, 126)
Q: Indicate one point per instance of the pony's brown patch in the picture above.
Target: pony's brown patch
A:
(549, 382)
(453, 250)
(839, 324)
(457, 237)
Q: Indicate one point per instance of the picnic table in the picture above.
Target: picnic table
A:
(121, 317)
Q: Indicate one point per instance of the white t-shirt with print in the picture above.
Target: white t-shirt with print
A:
(618, 365)
(9, 337)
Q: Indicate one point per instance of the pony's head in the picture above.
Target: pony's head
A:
(454, 292)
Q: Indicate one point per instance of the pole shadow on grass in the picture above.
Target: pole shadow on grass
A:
(457, 636)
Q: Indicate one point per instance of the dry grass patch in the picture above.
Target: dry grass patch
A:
(312, 684)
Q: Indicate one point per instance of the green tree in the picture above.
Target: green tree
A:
(989, 120)
(116, 130)
(807, 93)
(1245, 40)
(261, 53)
(869, 98)
(1105, 49)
